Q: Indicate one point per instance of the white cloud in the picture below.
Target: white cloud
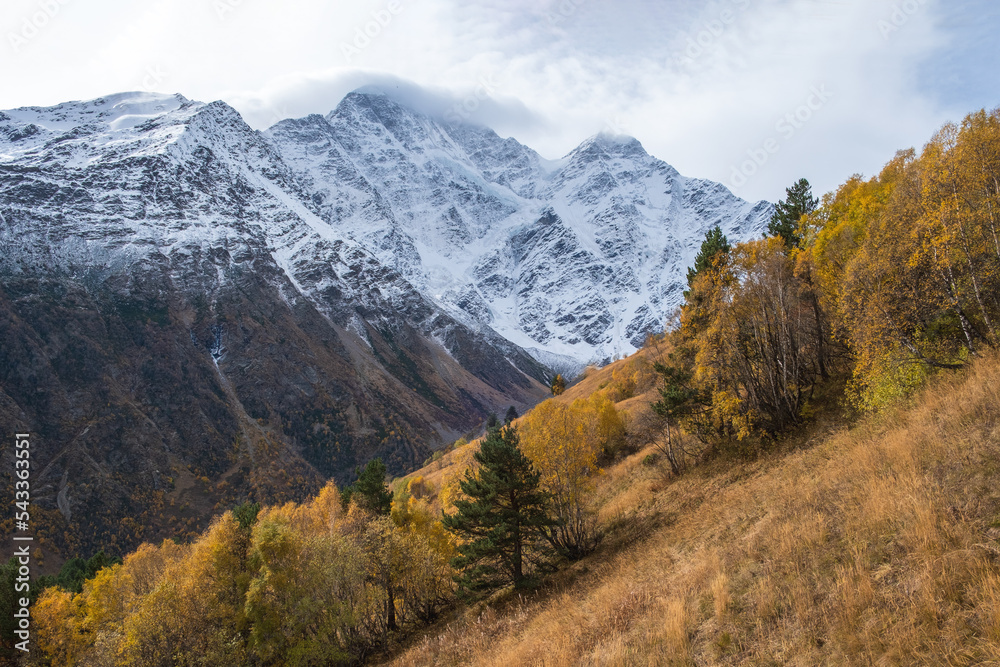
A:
(702, 85)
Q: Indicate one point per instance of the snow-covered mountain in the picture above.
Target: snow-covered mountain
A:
(178, 323)
(575, 260)
(185, 298)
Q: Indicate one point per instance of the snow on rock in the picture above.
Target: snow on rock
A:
(576, 259)
(374, 208)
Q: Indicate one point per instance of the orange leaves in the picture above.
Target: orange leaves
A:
(58, 619)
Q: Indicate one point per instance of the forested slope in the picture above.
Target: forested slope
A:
(804, 471)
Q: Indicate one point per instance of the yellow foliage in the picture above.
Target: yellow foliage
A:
(909, 262)
(57, 619)
(451, 489)
(564, 443)
(420, 488)
(307, 585)
(757, 338)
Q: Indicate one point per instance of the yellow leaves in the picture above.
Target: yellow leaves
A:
(57, 618)
(451, 490)
(909, 262)
(299, 585)
(757, 339)
(420, 488)
(565, 441)
(625, 380)
(883, 383)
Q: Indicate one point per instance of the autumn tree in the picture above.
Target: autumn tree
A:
(187, 603)
(298, 584)
(558, 385)
(501, 526)
(760, 345)
(428, 582)
(564, 443)
(746, 323)
(305, 595)
(907, 264)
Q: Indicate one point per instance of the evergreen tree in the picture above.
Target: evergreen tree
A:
(510, 416)
(246, 515)
(502, 524)
(558, 385)
(785, 221)
(679, 400)
(76, 571)
(715, 242)
(492, 421)
(370, 491)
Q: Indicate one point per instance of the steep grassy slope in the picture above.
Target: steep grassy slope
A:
(874, 544)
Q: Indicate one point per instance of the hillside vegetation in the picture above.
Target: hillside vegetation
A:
(873, 544)
(803, 471)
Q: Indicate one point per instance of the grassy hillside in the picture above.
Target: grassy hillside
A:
(878, 543)
(752, 518)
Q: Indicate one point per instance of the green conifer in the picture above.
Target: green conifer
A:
(501, 525)
(785, 221)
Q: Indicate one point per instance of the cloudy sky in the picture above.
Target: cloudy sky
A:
(752, 93)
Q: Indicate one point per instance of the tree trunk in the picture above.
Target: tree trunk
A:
(820, 352)
(390, 604)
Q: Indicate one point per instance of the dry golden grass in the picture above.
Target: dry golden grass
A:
(632, 380)
(875, 545)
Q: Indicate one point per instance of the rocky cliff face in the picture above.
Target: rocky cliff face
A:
(193, 312)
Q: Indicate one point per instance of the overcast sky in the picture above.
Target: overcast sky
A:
(752, 93)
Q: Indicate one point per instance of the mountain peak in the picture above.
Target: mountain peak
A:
(617, 145)
(113, 111)
(365, 100)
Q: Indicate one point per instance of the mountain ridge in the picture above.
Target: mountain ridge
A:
(186, 298)
(616, 205)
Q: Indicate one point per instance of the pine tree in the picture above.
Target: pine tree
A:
(558, 385)
(246, 515)
(785, 221)
(510, 416)
(492, 421)
(370, 491)
(502, 523)
(715, 242)
(679, 400)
